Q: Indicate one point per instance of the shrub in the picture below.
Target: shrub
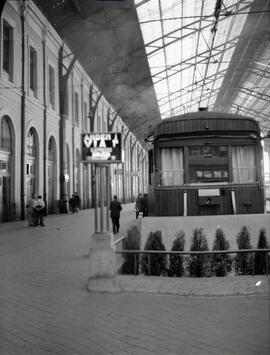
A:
(131, 242)
(176, 261)
(154, 264)
(198, 264)
(243, 261)
(221, 263)
(260, 258)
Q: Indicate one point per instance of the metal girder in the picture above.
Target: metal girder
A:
(141, 3)
(251, 112)
(213, 94)
(222, 54)
(196, 99)
(251, 91)
(186, 35)
(176, 40)
(217, 14)
(183, 94)
(262, 73)
(164, 53)
(214, 31)
(257, 95)
(196, 52)
(194, 57)
(198, 86)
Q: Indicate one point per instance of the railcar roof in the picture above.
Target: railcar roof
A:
(208, 114)
(205, 117)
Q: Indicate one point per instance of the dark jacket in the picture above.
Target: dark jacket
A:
(115, 208)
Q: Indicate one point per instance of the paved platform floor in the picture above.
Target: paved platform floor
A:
(45, 307)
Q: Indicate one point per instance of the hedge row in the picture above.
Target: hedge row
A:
(195, 265)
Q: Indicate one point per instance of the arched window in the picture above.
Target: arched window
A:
(31, 144)
(51, 150)
(5, 135)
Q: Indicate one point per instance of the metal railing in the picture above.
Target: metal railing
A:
(138, 260)
(117, 241)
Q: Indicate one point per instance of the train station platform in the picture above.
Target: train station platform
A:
(45, 307)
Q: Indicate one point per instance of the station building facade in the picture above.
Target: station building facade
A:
(41, 127)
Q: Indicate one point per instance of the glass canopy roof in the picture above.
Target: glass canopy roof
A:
(190, 45)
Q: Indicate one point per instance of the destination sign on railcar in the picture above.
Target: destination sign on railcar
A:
(102, 147)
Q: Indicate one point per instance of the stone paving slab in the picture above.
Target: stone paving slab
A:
(45, 307)
(185, 286)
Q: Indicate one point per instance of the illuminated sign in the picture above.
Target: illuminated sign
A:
(102, 147)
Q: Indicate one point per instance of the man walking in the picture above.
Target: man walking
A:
(115, 208)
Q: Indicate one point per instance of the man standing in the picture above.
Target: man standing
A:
(115, 208)
(39, 206)
(72, 203)
(31, 213)
(78, 201)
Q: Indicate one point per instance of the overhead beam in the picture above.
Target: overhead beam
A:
(141, 3)
(198, 86)
(2, 5)
(246, 51)
(194, 23)
(194, 58)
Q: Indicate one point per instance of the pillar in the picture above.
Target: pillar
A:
(102, 254)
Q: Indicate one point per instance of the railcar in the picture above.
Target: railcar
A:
(205, 163)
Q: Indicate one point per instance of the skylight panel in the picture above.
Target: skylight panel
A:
(188, 48)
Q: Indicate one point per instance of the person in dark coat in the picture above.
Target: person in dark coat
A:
(72, 203)
(78, 201)
(115, 208)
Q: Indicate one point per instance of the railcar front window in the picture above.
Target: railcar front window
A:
(208, 163)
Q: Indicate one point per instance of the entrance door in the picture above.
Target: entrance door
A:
(6, 198)
(5, 191)
(6, 149)
(31, 164)
(51, 175)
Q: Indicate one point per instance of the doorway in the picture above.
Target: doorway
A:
(51, 175)
(7, 213)
(31, 164)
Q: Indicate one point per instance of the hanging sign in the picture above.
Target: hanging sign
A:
(102, 147)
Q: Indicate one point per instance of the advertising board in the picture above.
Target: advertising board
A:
(102, 147)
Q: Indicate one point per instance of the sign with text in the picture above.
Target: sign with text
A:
(102, 147)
